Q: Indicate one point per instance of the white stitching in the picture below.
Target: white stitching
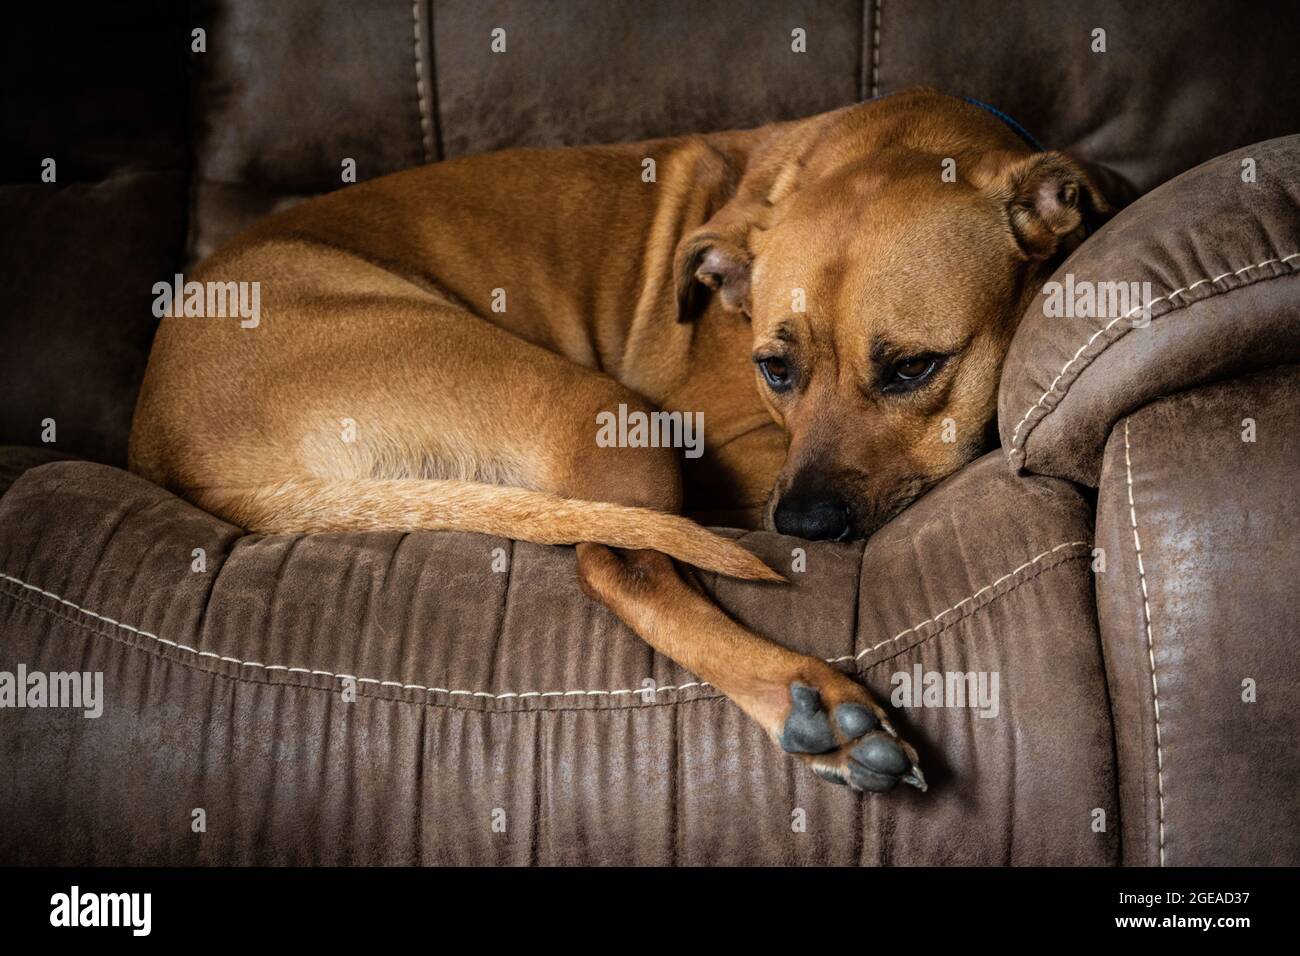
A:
(1151, 648)
(875, 51)
(947, 610)
(337, 676)
(508, 694)
(426, 134)
(1167, 297)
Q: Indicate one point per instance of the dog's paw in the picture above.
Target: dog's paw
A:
(849, 742)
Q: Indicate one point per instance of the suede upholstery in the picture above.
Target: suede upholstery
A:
(500, 716)
(1152, 105)
(480, 691)
(1221, 257)
(1212, 606)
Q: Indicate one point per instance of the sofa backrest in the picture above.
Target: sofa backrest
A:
(288, 91)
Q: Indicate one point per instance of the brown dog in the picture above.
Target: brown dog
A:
(435, 347)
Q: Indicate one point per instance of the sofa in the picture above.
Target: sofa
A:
(1125, 563)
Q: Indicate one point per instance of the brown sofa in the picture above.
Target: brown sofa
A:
(1126, 563)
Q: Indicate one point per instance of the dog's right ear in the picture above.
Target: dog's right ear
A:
(707, 262)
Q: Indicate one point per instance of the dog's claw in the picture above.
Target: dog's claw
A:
(915, 778)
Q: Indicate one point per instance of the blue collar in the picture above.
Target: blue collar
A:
(1015, 127)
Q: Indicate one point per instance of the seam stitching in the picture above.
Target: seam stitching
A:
(931, 620)
(508, 695)
(1167, 297)
(68, 618)
(1151, 649)
(426, 133)
(953, 622)
(185, 648)
(875, 50)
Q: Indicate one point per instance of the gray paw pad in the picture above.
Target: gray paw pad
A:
(855, 720)
(882, 754)
(807, 730)
(869, 780)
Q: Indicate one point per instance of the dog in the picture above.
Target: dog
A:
(436, 347)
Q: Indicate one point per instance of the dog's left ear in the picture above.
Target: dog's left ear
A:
(715, 259)
(708, 262)
(1051, 203)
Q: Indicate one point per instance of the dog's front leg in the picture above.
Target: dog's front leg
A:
(808, 707)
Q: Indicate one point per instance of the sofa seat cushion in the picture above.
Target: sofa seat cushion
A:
(454, 698)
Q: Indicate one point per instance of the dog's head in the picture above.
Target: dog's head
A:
(884, 257)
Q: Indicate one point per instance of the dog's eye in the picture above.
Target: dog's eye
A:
(776, 372)
(909, 370)
(912, 371)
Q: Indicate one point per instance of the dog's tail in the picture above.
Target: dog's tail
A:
(337, 504)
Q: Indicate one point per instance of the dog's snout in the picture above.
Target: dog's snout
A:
(816, 517)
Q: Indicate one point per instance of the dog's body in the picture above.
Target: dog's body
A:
(435, 347)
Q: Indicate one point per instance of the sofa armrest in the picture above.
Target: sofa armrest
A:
(1199, 281)
(1199, 616)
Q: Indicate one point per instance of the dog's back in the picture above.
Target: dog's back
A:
(450, 327)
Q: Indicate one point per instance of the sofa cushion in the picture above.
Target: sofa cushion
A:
(1217, 261)
(506, 696)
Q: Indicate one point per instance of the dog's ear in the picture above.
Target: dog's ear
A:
(708, 262)
(1051, 203)
(715, 259)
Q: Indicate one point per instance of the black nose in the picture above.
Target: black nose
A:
(813, 517)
